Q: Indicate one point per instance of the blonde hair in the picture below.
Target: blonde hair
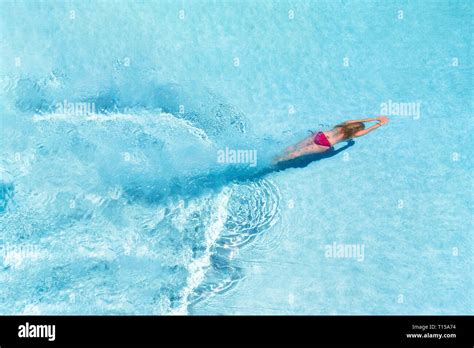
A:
(350, 129)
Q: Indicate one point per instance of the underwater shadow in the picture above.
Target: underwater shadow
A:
(304, 161)
(237, 175)
(195, 186)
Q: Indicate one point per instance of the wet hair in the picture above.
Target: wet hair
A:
(349, 129)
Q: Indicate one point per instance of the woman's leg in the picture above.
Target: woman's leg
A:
(303, 143)
(303, 150)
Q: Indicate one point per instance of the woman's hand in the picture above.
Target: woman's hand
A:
(383, 119)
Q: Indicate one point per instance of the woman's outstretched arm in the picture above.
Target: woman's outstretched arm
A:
(367, 120)
(382, 120)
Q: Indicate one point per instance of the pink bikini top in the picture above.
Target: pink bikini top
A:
(320, 139)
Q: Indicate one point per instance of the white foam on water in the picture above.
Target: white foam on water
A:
(95, 199)
(15, 259)
(5, 176)
(140, 118)
(31, 309)
(197, 268)
(198, 132)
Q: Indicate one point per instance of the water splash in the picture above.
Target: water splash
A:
(252, 208)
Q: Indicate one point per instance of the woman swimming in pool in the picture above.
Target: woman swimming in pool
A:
(325, 140)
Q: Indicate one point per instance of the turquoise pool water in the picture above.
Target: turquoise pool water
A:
(113, 199)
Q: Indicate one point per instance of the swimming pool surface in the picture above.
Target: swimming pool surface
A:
(123, 207)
